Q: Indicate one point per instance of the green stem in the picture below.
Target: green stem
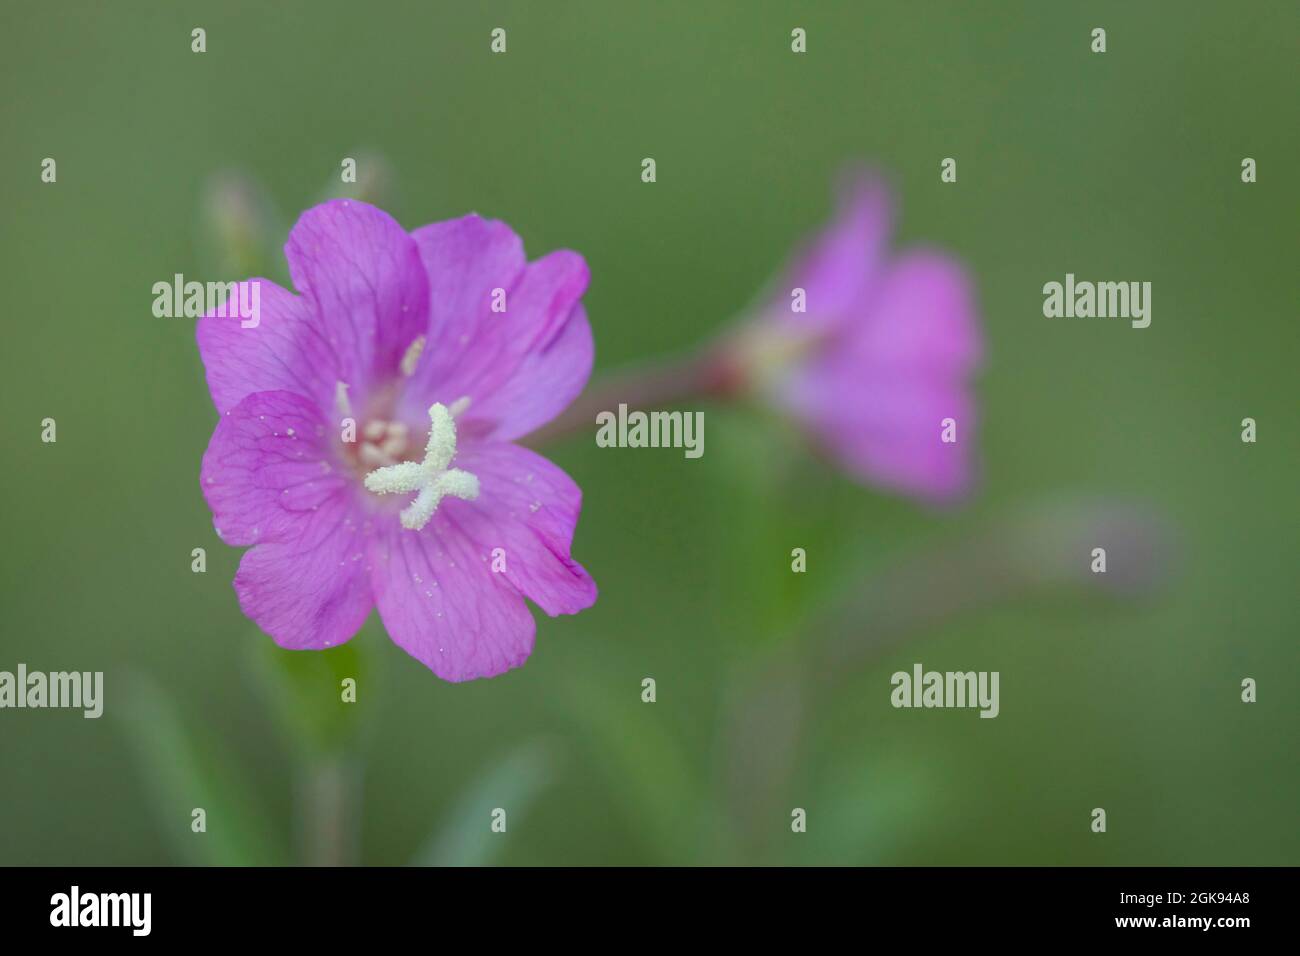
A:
(330, 808)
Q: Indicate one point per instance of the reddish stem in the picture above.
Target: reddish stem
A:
(707, 374)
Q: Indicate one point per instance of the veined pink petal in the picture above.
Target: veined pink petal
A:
(361, 274)
(528, 508)
(443, 605)
(311, 591)
(283, 351)
(475, 352)
(542, 385)
(465, 260)
(268, 465)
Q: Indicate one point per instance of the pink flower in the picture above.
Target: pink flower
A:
(881, 357)
(365, 449)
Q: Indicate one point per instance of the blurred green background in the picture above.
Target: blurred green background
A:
(1121, 166)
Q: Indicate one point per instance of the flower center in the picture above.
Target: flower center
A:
(382, 443)
(432, 479)
(764, 353)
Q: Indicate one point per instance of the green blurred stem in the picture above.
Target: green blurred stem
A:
(1035, 551)
(706, 374)
(1040, 549)
(329, 807)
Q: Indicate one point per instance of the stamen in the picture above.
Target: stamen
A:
(412, 356)
(431, 478)
(394, 440)
(459, 406)
(375, 457)
(341, 399)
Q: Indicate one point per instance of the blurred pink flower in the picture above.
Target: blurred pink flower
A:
(428, 511)
(881, 356)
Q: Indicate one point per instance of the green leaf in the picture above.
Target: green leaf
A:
(646, 765)
(512, 783)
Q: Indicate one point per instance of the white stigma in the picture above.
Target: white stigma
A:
(431, 478)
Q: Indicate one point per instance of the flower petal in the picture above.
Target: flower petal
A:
(922, 318)
(268, 476)
(543, 384)
(841, 264)
(268, 465)
(878, 394)
(283, 351)
(476, 352)
(311, 591)
(442, 604)
(888, 429)
(361, 274)
(465, 260)
(528, 508)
